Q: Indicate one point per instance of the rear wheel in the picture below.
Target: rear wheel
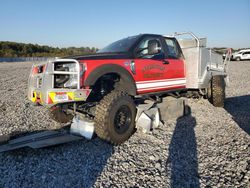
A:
(216, 94)
(115, 117)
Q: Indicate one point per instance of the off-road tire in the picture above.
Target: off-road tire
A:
(56, 113)
(106, 115)
(217, 88)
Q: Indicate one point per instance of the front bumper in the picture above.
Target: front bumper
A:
(53, 97)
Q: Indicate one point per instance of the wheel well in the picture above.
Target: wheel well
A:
(104, 85)
(108, 81)
(112, 72)
(109, 76)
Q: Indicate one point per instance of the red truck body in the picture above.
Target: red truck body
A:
(151, 75)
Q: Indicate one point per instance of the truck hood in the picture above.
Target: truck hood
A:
(99, 56)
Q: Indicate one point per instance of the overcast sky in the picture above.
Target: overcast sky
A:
(96, 23)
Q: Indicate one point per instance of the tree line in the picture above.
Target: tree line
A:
(223, 50)
(14, 49)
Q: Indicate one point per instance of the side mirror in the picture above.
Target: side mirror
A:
(153, 47)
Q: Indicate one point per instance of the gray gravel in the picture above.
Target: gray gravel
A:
(210, 148)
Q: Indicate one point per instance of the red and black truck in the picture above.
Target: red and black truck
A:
(107, 86)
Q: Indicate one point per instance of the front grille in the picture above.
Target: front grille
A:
(66, 75)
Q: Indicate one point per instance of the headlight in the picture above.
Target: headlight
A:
(72, 82)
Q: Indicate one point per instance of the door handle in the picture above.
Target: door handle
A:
(165, 62)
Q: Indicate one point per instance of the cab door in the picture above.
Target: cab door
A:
(155, 70)
(175, 57)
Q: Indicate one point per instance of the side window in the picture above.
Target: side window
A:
(142, 50)
(173, 50)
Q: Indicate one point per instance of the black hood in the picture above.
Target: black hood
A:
(99, 56)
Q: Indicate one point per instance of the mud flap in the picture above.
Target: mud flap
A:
(39, 140)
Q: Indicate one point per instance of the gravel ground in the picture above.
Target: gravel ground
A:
(209, 148)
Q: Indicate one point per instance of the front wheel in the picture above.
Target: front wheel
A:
(237, 59)
(115, 117)
(216, 94)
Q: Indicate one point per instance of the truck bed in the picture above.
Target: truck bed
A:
(201, 62)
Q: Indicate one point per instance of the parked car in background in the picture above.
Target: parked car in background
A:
(241, 55)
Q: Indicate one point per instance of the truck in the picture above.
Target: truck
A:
(107, 86)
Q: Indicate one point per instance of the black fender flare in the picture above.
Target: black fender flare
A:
(129, 82)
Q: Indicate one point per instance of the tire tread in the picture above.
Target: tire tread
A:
(218, 91)
(103, 111)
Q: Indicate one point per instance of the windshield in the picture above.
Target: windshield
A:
(122, 45)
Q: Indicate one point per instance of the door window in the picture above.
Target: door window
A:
(246, 53)
(142, 49)
(173, 49)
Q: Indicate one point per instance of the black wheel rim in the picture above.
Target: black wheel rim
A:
(123, 119)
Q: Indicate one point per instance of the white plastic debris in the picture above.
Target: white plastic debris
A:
(147, 117)
(142, 108)
(154, 115)
(144, 122)
(82, 127)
